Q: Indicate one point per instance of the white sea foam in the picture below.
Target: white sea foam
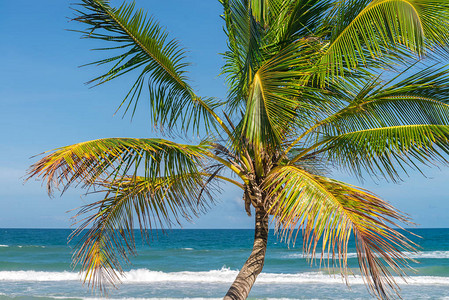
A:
(37, 276)
(29, 246)
(187, 249)
(417, 255)
(3, 246)
(430, 254)
(224, 275)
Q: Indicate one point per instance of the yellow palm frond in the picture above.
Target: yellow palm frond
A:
(330, 212)
(89, 161)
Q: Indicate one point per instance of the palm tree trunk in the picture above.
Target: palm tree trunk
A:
(239, 290)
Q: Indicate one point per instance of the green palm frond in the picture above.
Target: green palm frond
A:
(300, 19)
(265, 11)
(107, 233)
(145, 46)
(280, 92)
(434, 18)
(244, 54)
(384, 150)
(429, 82)
(372, 30)
(111, 158)
(372, 103)
(329, 212)
(386, 112)
(419, 99)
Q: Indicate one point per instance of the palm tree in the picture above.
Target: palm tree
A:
(314, 85)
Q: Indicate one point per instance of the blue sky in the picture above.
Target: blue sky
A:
(44, 104)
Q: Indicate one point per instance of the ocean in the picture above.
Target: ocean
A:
(201, 264)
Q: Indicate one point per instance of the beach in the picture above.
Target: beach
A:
(201, 264)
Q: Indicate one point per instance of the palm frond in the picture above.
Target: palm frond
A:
(279, 93)
(386, 112)
(111, 158)
(429, 82)
(143, 44)
(244, 55)
(329, 212)
(368, 103)
(386, 150)
(107, 233)
(417, 99)
(434, 16)
(300, 19)
(373, 29)
(265, 11)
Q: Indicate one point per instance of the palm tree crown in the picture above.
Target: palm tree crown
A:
(313, 85)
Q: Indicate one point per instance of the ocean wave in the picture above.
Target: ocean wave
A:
(224, 275)
(417, 255)
(22, 246)
(29, 246)
(430, 254)
(38, 276)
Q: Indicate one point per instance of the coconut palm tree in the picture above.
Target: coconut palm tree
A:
(314, 85)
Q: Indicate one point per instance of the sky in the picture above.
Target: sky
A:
(45, 104)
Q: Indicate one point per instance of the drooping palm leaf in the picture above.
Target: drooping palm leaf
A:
(90, 161)
(329, 212)
(145, 46)
(386, 112)
(107, 233)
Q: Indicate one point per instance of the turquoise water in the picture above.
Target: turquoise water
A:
(201, 264)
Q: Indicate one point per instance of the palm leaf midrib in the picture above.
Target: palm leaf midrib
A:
(392, 128)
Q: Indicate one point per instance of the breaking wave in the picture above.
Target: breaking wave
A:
(417, 255)
(224, 275)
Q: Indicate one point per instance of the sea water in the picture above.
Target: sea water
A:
(201, 264)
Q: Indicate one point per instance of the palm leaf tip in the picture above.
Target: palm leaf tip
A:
(329, 212)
